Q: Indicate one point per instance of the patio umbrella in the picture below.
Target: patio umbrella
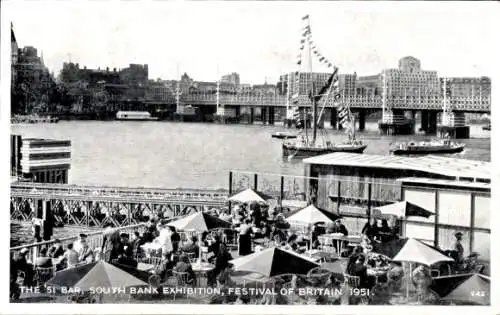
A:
(417, 251)
(468, 288)
(200, 222)
(403, 209)
(312, 215)
(274, 261)
(97, 274)
(250, 195)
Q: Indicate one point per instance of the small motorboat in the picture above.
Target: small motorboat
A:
(283, 135)
(427, 147)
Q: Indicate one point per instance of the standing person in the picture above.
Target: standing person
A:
(165, 239)
(458, 247)
(394, 227)
(111, 243)
(36, 226)
(245, 244)
(175, 238)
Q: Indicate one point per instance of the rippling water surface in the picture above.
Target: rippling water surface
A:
(193, 155)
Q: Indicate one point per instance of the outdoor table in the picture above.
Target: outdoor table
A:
(145, 267)
(151, 249)
(261, 241)
(340, 239)
(247, 277)
(317, 254)
(201, 269)
(377, 272)
(339, 266)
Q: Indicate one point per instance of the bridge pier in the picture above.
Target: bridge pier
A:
(263, 114)
(432, 127)
(270, 111)
(252, 114)
(453, 126)
(333, 118)
(361, 120)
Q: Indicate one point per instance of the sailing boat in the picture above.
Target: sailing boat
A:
(304, 145)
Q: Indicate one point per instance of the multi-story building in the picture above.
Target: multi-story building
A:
(135, 74)
(410, 80)
(304, 83)
(347, 82)
(32, 81)
(14, 55)
(407, 80)
(469, 87)
(368, 85)
(158, 91)
(264, 89)
(232, 78)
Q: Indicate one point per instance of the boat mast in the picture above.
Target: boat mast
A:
(311, 86)
(384, 95)
(445, 101)
(178, 90)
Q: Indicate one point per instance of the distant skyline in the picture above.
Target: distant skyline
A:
(258, 40)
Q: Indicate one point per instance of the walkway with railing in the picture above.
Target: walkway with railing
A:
(94, 206)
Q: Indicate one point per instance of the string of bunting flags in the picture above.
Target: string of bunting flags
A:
(332, 85)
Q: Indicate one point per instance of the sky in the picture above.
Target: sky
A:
(259, 40)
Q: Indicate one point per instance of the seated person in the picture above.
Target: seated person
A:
(185, 266)
(69, 259)
(339, 228)
(191, 247)
(371, 229)
(86, 254)
(359, 269)
(43, 260)
(20, 263)
(126, 252)
(57, 250)
(292, 243)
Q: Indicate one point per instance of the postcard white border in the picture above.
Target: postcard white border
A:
(6, 308)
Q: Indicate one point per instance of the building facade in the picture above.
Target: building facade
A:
(469, 87)
(232, 78)
(32, 82)
(410, 80)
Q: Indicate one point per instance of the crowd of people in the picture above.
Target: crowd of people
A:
(249, 223)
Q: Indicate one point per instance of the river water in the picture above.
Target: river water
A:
(193, 155)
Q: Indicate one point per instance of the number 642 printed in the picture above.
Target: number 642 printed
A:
(478, 293)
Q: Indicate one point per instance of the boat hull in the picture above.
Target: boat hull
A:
(137, 119)
(283, 136)
(301, 152)
(423, 151)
